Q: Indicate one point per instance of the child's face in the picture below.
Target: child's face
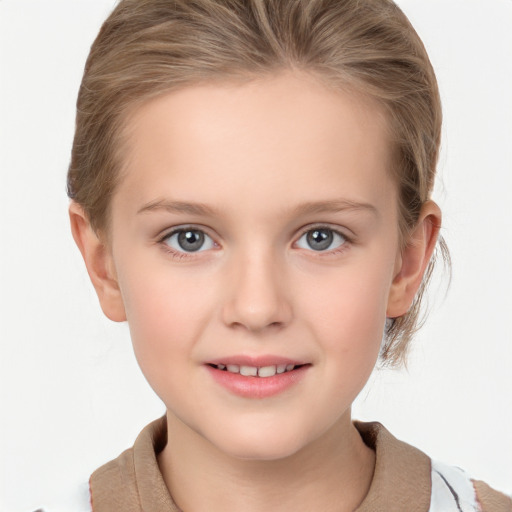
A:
(287, 252)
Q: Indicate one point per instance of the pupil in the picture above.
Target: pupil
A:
(191, 240)
(320, 239)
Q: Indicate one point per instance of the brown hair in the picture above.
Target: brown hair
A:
(148, 47)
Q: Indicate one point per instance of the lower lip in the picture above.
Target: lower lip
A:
(257, 387)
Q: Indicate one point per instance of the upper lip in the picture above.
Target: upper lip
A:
(256, 361)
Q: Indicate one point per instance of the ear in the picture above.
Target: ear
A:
(413, 260)
(99, 262)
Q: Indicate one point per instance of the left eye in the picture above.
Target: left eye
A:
(189, 240)
(321, 239)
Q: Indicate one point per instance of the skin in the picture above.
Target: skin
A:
(255, 155)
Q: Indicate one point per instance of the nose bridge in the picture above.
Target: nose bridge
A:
(257, 293)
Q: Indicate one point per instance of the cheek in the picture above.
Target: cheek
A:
(347, 310)
(166, 313)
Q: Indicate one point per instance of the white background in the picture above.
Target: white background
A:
(72, 396)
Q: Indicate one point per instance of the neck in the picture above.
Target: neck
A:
(332, 474)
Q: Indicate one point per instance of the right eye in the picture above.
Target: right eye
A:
(189, 240)
(321, 239)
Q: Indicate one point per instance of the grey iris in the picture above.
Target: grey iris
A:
(191, 240)
(320, 239)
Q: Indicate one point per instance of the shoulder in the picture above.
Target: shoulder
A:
(405, 475)
(453, 490)
(492, 500)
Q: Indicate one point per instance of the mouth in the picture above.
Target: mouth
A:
(257, 371)
(257, 377)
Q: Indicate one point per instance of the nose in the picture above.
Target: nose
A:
(257, 295)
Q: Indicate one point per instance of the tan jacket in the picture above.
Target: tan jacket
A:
(402, 482)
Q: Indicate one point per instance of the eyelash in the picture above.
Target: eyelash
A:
(183, 255)
(331, 252)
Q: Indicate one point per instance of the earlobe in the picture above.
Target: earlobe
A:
(98, 260)
(413, 260)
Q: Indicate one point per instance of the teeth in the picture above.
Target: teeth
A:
(253, 371)
(248, 371)
(267, 371)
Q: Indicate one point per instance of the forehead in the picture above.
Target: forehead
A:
(286, 132)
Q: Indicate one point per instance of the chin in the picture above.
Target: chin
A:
(261, 451)
(262, 444)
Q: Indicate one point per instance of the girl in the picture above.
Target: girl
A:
(250, 189)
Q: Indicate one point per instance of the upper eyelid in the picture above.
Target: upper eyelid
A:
(340, 231)
(166, 233)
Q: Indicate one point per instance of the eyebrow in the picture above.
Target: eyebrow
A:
(178, 207)
(309, 208)
(335, 206)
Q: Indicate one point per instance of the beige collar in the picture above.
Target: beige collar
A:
(402, 477)
(133, 482)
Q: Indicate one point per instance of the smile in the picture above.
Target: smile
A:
(258, 377)
(256, 371)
